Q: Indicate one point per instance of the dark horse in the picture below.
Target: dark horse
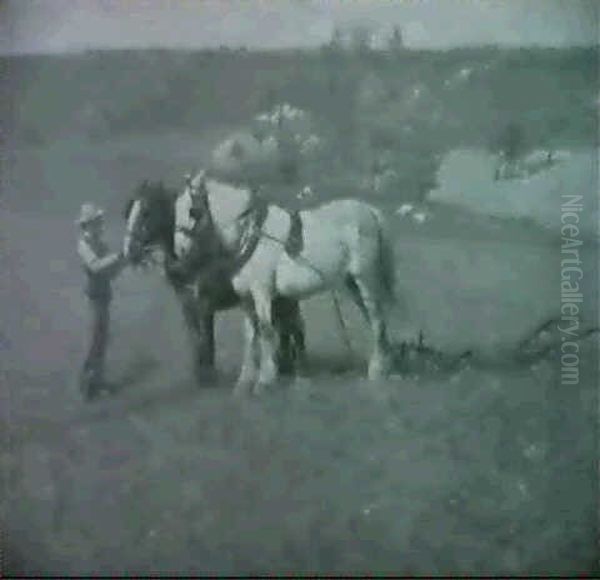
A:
(202, 285)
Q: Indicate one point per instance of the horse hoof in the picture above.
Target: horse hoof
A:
(379, 369)
(242, 388)
(260, 389)
(376, 373)
(302, 371)
(206, 378)
(240, 393)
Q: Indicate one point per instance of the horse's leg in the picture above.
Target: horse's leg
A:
(289, 323)
(205, 352)
(296, 324)
(199, 320)
(267, 335)
(285, 358)
(203, 333)
(285, 355)
(355, 294)
(379, 363)
(250, 360)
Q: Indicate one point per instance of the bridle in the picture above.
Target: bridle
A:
(194, 192)
(251, 221)
(142, 251)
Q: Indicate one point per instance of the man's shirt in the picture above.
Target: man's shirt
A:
(99, 265)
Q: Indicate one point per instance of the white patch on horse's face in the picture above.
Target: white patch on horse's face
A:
(131, 225)
(183, 220)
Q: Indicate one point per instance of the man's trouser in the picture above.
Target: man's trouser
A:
(93, 367)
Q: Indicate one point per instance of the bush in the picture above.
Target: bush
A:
(279, 146)
(243, 158)
(510, 143)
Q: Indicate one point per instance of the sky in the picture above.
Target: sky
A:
(56, 26)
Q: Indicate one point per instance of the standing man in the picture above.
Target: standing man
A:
(101, 267)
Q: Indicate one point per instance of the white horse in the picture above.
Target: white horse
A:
(343, 245)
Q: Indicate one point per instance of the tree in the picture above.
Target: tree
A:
(337, 40)
(361, 39)
(237, 150)
(396, 43)
(511, 142)
(335, 45)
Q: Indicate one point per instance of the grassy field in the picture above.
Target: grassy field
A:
(487, 469)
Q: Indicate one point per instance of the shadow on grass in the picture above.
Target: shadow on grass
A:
(141, 368)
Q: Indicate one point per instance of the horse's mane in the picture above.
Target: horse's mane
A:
(155, 192)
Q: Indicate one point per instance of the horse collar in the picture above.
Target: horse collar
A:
(252, 220)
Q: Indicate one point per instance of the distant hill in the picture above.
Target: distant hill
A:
(466, 180)
(388, 118)
(463, 95)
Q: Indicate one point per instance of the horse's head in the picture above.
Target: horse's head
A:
(191, 207)
(149, 215)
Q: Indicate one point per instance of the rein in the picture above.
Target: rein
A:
(334, 295)
(161, 241)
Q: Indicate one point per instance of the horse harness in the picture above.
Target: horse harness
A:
(256, 215)
(251, 223)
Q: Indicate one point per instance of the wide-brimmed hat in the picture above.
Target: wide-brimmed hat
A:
(89, 213)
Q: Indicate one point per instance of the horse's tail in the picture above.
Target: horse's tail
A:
(386, 262)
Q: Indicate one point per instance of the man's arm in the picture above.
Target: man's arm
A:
(110, 265)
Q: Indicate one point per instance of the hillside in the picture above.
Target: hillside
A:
(465, 179)
(466, 94)
(484, 468)
(386, 117)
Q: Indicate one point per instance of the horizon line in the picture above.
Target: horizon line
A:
(290, 49)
